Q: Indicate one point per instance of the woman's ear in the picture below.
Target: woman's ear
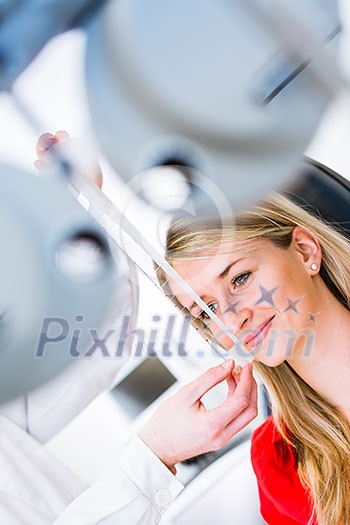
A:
(308, 247)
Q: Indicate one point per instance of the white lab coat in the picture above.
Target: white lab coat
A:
(36, 489)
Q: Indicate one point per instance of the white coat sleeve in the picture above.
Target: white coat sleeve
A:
(135, 491)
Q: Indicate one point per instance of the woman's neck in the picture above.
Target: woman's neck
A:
(327, 368)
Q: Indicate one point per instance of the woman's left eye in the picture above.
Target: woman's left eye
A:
(241, 279)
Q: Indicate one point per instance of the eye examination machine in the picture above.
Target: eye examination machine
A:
(195, 109)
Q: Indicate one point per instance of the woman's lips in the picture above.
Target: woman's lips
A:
(255, 338)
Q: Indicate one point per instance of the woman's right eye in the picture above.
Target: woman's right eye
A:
(204, 315)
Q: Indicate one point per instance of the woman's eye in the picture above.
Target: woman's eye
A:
(241, 279)
(204, 315)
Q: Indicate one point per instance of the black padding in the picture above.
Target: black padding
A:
(326, 192)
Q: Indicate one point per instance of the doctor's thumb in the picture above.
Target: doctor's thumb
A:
(210, 378)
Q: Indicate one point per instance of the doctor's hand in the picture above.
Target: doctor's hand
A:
(182, 427)
(87, 162)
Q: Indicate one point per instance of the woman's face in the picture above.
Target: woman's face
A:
(267, 297)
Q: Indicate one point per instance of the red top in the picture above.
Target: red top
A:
(283, 499)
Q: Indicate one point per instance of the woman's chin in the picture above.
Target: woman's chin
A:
(267, 357)
(272, 361)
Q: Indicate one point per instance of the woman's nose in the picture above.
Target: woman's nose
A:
(235, 315)
(235, 318)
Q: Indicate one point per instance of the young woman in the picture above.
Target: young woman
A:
(279, 278)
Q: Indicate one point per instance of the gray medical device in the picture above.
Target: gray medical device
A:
(234, 89)
(56, 279)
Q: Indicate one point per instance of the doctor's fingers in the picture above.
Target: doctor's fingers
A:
(232, 382)
(47, 140)
(44, 148)
(242, 420)
(212, 377)
(242, 400)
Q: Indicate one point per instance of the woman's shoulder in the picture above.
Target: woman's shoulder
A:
(270, 449)
(266, 434)
(282, 496)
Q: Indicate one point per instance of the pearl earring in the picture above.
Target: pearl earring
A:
(313, 266)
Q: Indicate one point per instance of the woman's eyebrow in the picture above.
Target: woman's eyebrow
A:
(221, 276)
(228, 268)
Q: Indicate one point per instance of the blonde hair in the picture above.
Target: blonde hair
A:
(318, 432)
